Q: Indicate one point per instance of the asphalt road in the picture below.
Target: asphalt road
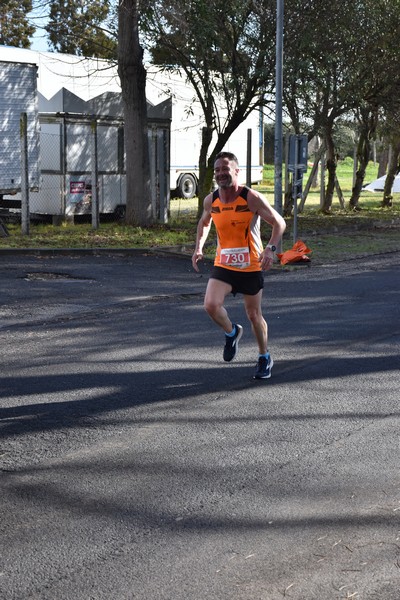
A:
(135, 464)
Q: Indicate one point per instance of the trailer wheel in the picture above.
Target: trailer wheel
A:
(187, 186)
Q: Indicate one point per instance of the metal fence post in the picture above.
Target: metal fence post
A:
(163, 216)
(287, 175)
(24, 174)
(322, 178)
(64, 167)
(294, 187)
(248, 161)
(95, 177)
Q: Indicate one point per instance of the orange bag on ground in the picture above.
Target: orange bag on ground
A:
(296, 254)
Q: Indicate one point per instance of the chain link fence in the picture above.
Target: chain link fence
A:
(74, 149)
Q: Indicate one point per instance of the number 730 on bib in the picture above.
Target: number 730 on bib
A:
(235, 257)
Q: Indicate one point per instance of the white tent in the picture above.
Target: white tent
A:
(379, 184)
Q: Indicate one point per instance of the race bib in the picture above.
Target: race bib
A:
(235, 257)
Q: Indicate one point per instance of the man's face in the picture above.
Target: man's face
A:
(225, 172)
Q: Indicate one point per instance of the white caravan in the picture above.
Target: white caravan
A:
(18, 96)
(89, 78)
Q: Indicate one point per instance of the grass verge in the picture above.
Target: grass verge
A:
(338, 236)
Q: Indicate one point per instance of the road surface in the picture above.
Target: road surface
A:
(137, 465)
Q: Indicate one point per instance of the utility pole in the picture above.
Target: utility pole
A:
(278, 109)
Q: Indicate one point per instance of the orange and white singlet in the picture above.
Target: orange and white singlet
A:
(238, 231)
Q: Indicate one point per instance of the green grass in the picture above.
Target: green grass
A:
(332, 237)
(333, 248)
(109, 235)
(369, 201)
(345, 177)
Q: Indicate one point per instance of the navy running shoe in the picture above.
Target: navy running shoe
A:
(231, 344)
(263, 367)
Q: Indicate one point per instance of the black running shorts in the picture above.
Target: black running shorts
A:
(248, 283)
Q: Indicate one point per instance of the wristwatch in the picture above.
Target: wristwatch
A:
(271, 247)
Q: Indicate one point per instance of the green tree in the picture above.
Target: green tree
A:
(381, 83)
(367, 115)
(82, 28)
(226, 49)
(320, 72)
(15, 29)
(342, 57)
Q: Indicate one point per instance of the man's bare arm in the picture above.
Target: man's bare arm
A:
(259, 205)
(203, 229)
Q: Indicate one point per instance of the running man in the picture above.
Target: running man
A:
(240, 257)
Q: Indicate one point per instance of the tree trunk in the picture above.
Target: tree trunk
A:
(317, 156)
(393, 169)
(368, 119)
(133, 87)
(363, 154)
(383, 161)
(205, 177)
(331, 163)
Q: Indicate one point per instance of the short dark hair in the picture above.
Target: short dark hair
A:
(228, 155)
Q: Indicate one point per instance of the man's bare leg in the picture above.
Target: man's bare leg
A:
(216, 293)
(258, 324)
(214, 304)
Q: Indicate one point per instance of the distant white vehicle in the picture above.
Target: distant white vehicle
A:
(186, 128)
(185, 149)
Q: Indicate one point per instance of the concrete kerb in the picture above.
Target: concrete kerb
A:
(182, 251)
(71, 251)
